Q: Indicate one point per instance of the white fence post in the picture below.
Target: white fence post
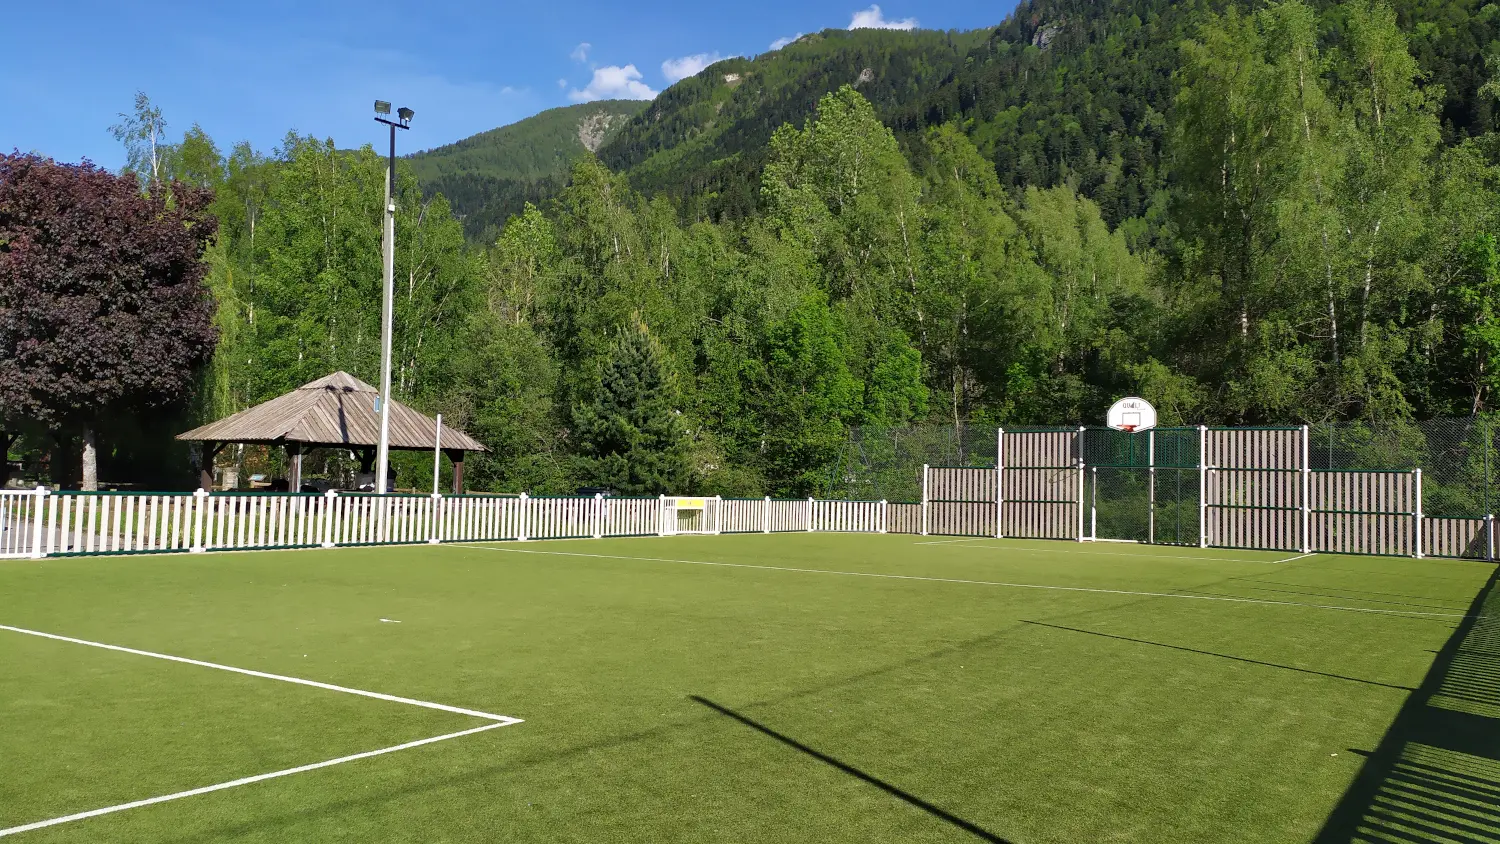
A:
(924, 499)
(1094, 503)
(330, 518)
(718, 514)
(765, 516)
(810, 508)
(1081, 464)
(661, 514)
(598, 515)
(1489, 536)
(36, 523)
(999, 482)
(1202, 486)
(435, 527)
(1417, 516)
(200, 504)
(1307, 490)
(523, 514)
(885, 525)
(1151, 486)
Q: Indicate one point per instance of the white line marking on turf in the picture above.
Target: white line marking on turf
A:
(1099, 553)
(248, 780)
(1225, 598)
(1294, 559)
(488, 716)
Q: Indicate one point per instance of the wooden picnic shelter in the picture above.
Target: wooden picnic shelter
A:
(337, 411)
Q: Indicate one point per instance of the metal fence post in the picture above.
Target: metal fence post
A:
(598, 516)
(924, 499)
(1094, 504)
(1306, 490)
(435, 526)
(1489, 534)
(36, 523)
(765, 516)
(1417, 516)
(661, 515)
(999, 482)
(1202, 486)
(200, 503)
(885, 525)
(810, 507)
(1081, 465)
(1151, 487)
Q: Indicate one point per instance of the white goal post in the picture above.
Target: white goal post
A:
(689, 515)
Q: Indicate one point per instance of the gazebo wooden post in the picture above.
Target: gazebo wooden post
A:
(211, 450)
(7, 439)
(457, 456)
(294, 471)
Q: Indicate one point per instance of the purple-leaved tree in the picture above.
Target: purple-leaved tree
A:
(102, 303)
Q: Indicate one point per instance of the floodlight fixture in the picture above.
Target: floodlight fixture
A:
(382, 107)
(405, 114)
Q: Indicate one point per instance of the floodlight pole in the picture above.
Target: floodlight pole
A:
(388, 307)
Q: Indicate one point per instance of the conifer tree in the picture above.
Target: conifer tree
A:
(630, 437)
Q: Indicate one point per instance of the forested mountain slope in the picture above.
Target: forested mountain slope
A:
(705, 137)
(487, 177)
(1072, 92)
(1077, 91)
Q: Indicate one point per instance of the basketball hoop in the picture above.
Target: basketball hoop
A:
(1131, 415)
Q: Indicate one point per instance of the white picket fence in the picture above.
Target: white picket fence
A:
(39, 523)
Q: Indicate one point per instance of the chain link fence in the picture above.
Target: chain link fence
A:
(1457, 458)
(885, 463)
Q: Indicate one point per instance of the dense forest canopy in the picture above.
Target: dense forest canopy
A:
(1246, 213)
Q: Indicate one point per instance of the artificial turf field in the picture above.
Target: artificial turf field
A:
(771, 695)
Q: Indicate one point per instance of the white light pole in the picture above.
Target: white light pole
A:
(388, 294)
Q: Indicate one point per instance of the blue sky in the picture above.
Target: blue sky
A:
(254, 71)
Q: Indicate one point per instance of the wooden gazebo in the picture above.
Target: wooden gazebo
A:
(336, 411)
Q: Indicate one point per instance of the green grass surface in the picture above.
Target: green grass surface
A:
(666, 701)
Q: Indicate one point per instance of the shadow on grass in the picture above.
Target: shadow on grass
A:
(1220, 656)
(1436, 774)
(906, 796)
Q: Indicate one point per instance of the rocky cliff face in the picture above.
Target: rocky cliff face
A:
(593, 129)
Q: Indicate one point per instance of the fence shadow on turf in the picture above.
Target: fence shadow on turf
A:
(1221, 656)
(1436, 774)
(906, 796)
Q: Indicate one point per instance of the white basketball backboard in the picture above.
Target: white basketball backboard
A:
(1131, 414)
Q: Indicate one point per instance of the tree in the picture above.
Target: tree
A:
(805, 396)
(1478, 295)
(630, 438)
(143, 132)
(102, 303)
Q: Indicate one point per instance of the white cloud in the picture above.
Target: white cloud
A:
(614, 83)
(872, 18)
(562, 83)
(581, 52)
(782, 42)
(675, 69)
